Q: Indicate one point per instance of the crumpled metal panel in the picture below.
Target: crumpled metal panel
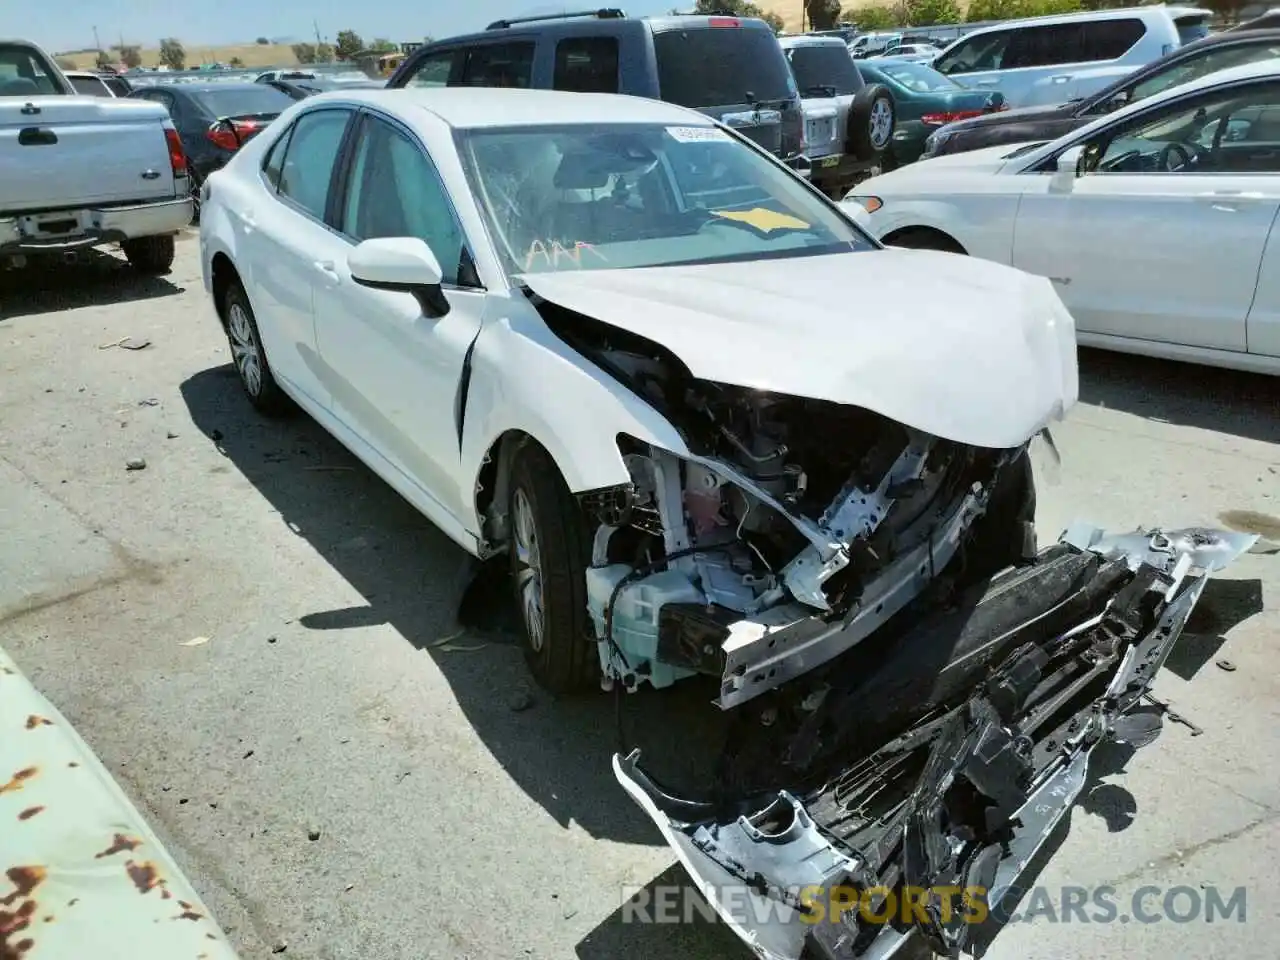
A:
(81, 874)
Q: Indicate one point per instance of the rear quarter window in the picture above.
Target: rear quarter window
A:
(1110, 39)
(720, 66)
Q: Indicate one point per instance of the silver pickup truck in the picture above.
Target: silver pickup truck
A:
(80, 171)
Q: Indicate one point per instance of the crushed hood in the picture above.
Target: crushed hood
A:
(961, 348)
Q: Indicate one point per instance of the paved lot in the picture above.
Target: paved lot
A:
(451, 824)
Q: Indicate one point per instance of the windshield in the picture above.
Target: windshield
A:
(720, 66)
(823, 67)
(1211, 62)
(244, 101)
(89, 86)
(642, 195)
(25, 73)
(917, 77)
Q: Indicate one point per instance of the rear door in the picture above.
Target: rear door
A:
(731, 71)
(58, 151)
(287, 243)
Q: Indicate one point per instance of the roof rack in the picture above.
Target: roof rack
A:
(604, 13)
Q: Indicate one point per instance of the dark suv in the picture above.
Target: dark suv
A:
(730, 68)
(1198, 59)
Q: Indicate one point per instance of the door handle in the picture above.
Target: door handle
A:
(327, 268)
(1061, 78)
(989, 82)
(247, 221)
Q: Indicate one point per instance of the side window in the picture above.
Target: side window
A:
(587, 65)
(1110, 39)
(1211, 62)
(435, 70)
(498, 65)
(1233, 131)
(395, 191)
(309, 158)
(983, 52)
(1045, 46)
(274, 163)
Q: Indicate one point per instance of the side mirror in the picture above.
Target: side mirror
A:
(400, 264)
(1069, 162)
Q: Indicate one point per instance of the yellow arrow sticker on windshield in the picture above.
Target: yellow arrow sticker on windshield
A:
(763, 220)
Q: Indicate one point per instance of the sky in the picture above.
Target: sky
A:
(59, 25)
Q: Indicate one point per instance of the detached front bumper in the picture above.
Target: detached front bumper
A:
(917, 792)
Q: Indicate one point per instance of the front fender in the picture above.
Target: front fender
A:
(983, 226)
(523, 377)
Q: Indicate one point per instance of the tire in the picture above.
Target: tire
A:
(1006, 535)
(152, 256)
(249, 356)
(871, 121)
(549, 553)
(922, 239)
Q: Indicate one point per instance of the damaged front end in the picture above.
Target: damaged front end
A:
(789, 531)
(905, 796)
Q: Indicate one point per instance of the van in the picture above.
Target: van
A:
(728, 67)
(1044, 61)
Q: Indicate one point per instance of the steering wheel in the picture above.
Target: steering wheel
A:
(1175, 156)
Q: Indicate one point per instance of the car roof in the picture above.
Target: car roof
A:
(472, 107)
(210, 85)
(1118, 13)
(809, 40)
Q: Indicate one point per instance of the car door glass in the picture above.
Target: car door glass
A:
(586, 65)
(1043, 46)
(309, 158)
(1234, 131)
(984, 52)
(498, 65)
(1203, 66)
(1108, 39)
(395, 191)
(434, 71)
(274, 163)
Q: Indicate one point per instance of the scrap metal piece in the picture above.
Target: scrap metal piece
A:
(78, 864)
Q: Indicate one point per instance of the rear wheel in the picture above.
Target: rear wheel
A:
(150, 255)
(549, 553)
(249, 356)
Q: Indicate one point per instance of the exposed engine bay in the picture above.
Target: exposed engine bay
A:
(907, 801)
(795, 529)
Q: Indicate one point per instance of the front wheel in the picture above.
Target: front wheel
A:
(152, 256)
(549, 552)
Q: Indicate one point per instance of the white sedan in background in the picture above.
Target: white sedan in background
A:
(1156, 223)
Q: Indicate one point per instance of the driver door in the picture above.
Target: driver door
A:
(1161, 235)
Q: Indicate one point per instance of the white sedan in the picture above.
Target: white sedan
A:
(1156, 223)
(715, 432)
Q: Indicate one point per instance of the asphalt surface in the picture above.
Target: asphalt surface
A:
(460, 813)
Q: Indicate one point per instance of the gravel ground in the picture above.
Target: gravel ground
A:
(457, 812)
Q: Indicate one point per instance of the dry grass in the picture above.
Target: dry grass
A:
(791, 10)
(252, 54)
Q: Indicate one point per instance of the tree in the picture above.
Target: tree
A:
(349, 44)
(130, 55)
(103, 59)
(172, 54)
(822, 14)
(235, 62)
(325, 53)
(382, 45)
(926, 13)
(876, 18)
(304, 52)
(263, 42)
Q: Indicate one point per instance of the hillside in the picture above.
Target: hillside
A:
(790, 10)
(252, 54)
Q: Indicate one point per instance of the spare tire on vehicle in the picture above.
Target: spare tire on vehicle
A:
(871, 121)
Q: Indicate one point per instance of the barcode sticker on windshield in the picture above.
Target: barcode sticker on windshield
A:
(696, 134)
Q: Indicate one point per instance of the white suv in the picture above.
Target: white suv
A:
(1044, 61)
